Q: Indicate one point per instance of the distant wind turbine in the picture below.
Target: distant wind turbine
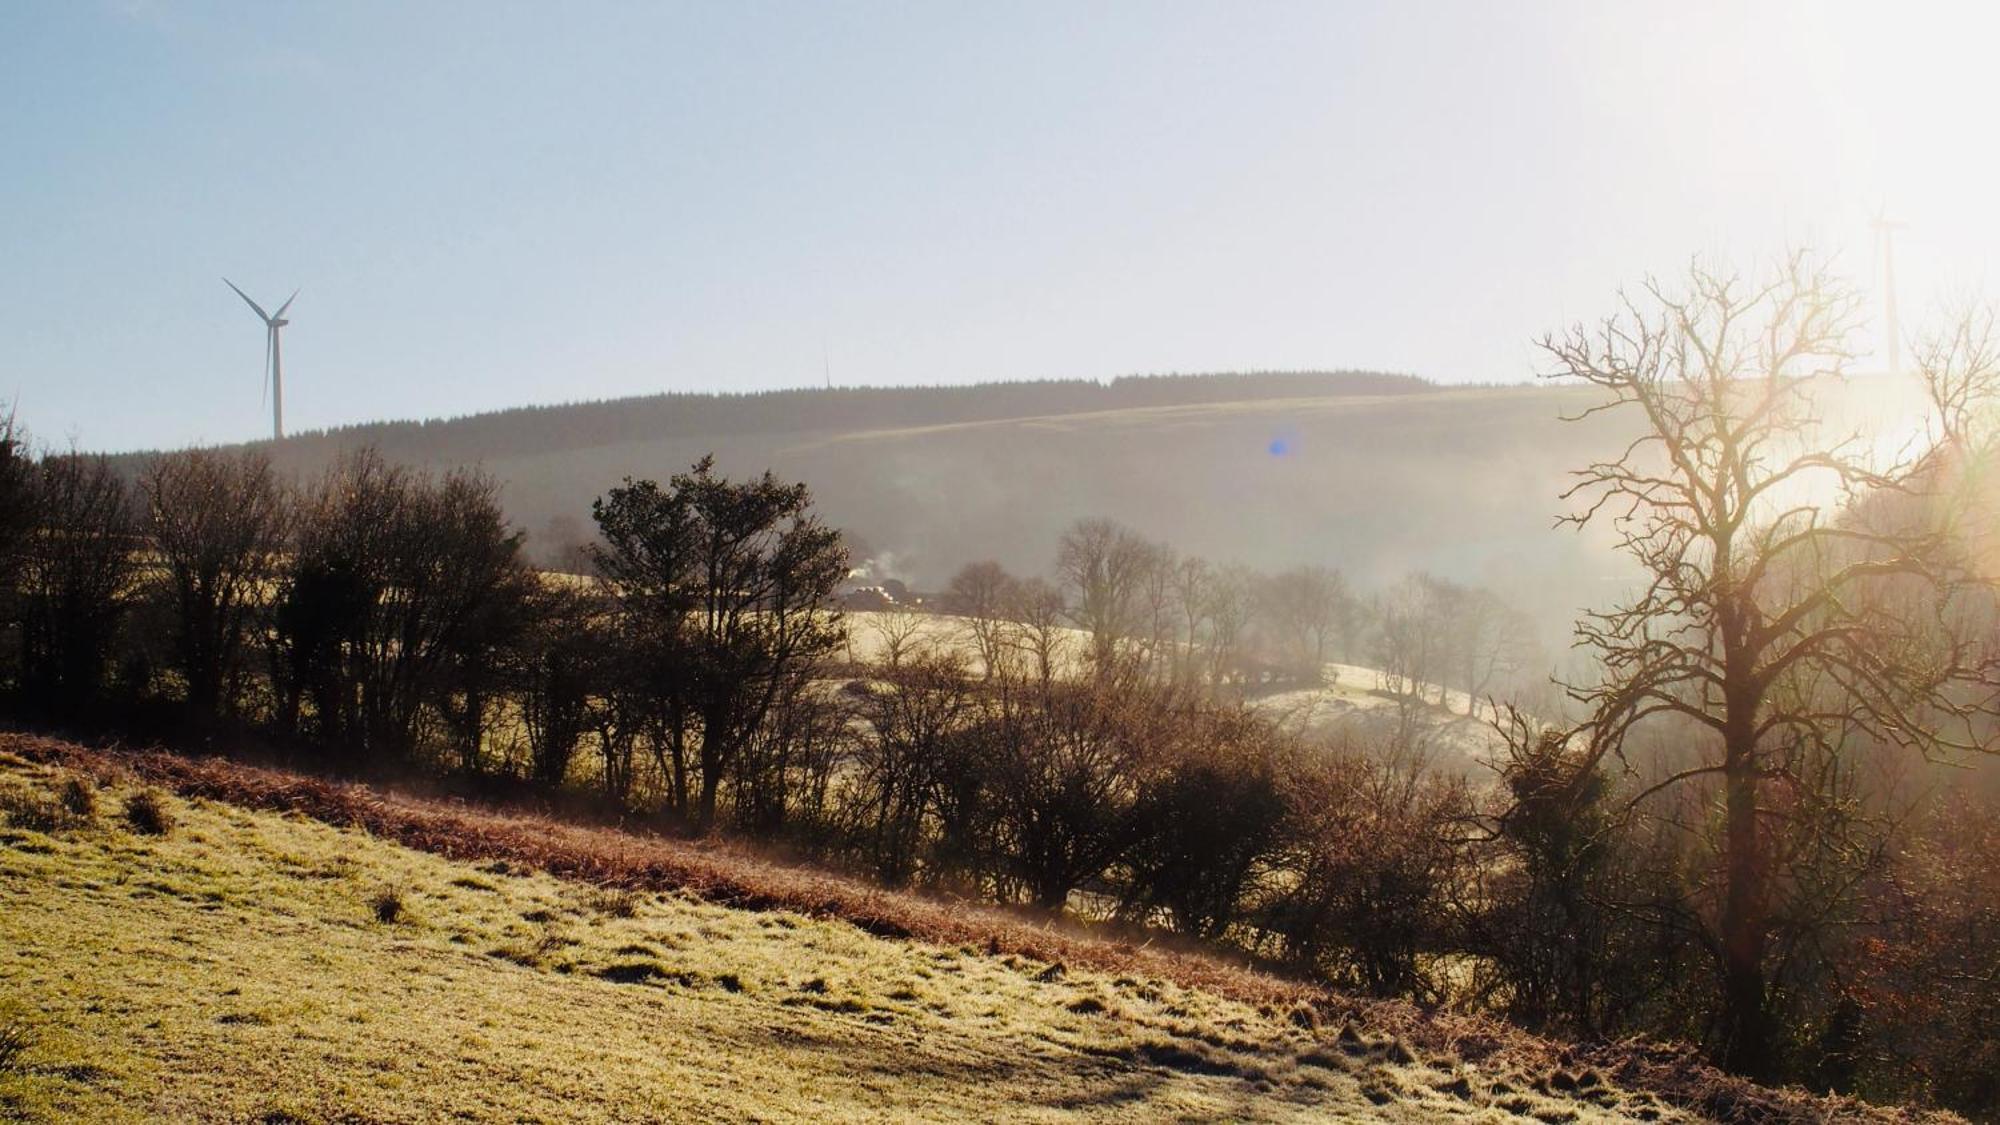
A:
(1885, 231)
(274, 367)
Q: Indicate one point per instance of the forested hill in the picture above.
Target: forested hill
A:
(1374, 473)
(586, 425)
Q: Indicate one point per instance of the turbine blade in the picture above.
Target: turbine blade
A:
(280, 314)
(246, 300)
(264, 376)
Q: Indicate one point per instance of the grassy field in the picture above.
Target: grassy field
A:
(1350, 700)
(266, 966)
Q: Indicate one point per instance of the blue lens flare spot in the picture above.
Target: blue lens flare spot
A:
(1280, 446)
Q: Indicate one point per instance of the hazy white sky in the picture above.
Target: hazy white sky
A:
(490, 205)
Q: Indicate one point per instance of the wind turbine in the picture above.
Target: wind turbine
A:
(274, 366)
(1885, 232)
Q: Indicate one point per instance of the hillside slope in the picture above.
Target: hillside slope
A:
(1374, 474)
(1462, 482)
(246, 965)
(1378, 475)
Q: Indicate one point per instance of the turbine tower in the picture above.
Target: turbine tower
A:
(274, 367)
(1885, 231)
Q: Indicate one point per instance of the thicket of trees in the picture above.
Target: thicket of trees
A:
(1731, 833)
(1143, 608)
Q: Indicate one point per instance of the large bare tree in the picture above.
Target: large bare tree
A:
(1798, 597)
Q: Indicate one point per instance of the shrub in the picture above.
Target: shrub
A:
(146, 812)
(618, 902)
(79, 797)
(31, 809)
(1365, 867)
(387, 905)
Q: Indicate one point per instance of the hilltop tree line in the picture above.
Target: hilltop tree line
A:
(1757, 822)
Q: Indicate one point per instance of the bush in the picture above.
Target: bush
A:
(1366, 864)
(31, 809)
(79, 797)
(387, 905)
(146, 813)
(618, 902)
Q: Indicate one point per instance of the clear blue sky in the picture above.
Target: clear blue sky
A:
(490, 205)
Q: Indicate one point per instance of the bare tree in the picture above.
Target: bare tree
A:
(1305, 609)
(218, 524)
(900, 631)
(1190, 581)
(1037, 617)
(75, 580)
(1769, 619)
(1210, 813)
(1412, 641)
(1366, 860)
(1492, 644)
(980, 593)
(328, 591)
(1066, 766)
(1158, 618)
(903, 757)
(1102, 566)
(1230, 608)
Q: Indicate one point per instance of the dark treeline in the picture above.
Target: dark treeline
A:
(542, 429)
(1722, 835)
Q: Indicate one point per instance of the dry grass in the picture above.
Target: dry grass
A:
(787, 978)
(146, 813)
(15, 1039)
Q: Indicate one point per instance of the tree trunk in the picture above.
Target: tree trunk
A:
(677, 740)
(705, 818)
(472, 730)
(1746, 1047)
(1052, 895)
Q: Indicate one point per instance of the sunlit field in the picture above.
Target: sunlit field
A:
(249, 965)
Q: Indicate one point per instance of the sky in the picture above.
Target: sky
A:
(489, 205)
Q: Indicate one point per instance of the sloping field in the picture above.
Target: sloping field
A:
(256, 964)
